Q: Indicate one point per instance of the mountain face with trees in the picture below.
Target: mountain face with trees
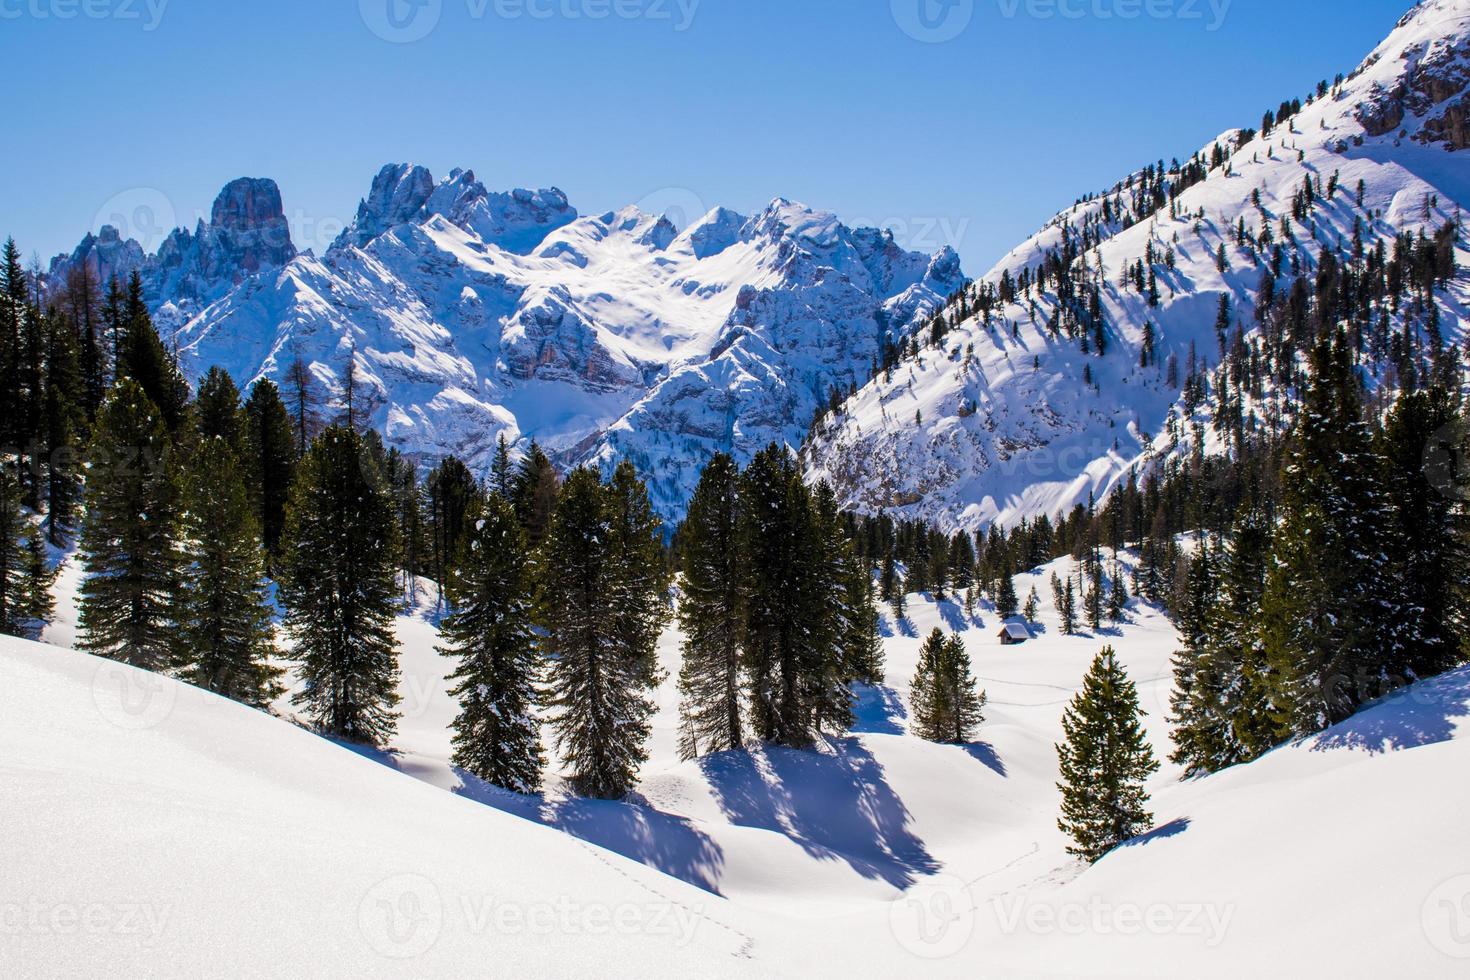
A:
(1175, 312)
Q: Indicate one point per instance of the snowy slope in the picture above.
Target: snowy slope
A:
(1015, 432)
(879, 855)
(476, 314)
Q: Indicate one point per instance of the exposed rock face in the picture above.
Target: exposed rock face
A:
(103, 255)
(247, 234)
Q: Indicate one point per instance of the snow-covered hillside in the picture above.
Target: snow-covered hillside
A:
(145, 819)
(1013, 430)
(475, 314)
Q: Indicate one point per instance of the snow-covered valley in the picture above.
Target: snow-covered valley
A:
(148, 821)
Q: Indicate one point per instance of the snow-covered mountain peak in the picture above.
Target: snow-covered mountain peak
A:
(476, 314)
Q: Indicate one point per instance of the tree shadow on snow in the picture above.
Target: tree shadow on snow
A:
(1171, 829)
(878, 711)
(1423, 714)
(632, 828)
(985, 754)
(954, 616)
(836, 805)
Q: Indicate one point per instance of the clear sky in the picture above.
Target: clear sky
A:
(967, 122)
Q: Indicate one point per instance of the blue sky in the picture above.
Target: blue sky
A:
(961, 121)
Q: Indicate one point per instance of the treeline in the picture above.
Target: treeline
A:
(188, 507)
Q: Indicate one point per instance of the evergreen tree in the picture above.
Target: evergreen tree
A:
(598, 689)
(338, 588)
(224, 635)
(1104, 762)
(491, 633)
(1093, 601)
(63, 419)
(217, 412)
(712, 615)
(946, 705)
(1332, 619)
(1426, 536)
(785, 603)
(451, 492)
(270, 460)
(128, 542)
(1006, 602)
(25, 580)
(145, 360)
(502, 479)
(640, 579)
(533, 492)
(13, 305)
(1033, 606)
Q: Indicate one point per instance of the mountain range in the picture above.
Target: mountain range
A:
(471, 314)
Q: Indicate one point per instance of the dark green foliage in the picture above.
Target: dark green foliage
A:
(533, 492)
(25, 579)
(1104, 762)
(217, 413)
(128, 542)
(787, 661)
(339, 591)
(224, 635)
(270, 460)
(594, 610)
(1426, 537)
(712, 615)
(1332, 622)
(945, 703)
(63, 420)
(450, 492)
(490, 633)
(144, 359)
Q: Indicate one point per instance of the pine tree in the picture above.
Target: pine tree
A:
(1093, 601)
(945, 703)
(712, 615)
(451, 492)
(491, 633)
(25, 579)
(598, 688)
(224, 634)
(533, 492)
(63, 420)
(145, 360)
(338, 588)
(303, 399)
(14, 288)
(270, 460)
(502, 478)
(1426, 539)
(1033, 606)
(1104, 762)
(641, 578)
(128, 542)
(1194, 699)
(786, 604)
(217, 412)
(1332, 619)
(1006, 602)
